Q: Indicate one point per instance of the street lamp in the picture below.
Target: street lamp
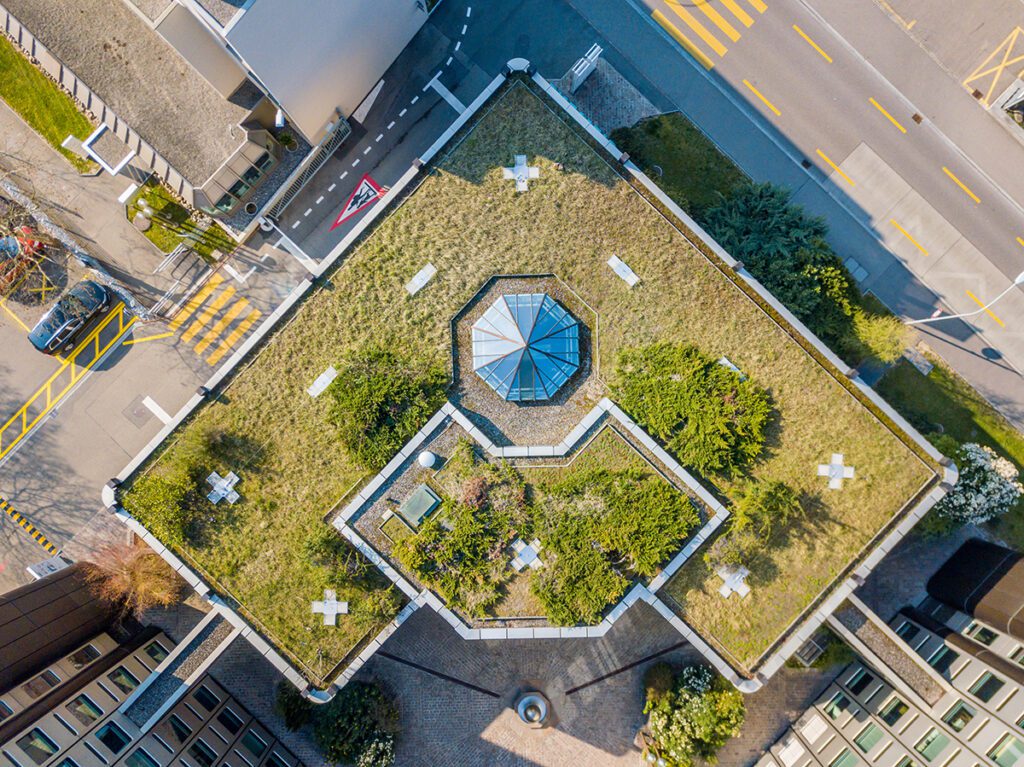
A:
(1018, 281)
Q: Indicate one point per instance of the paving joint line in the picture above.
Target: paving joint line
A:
(438, 674)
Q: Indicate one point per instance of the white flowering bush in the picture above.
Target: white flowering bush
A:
(380, 752)
(988, 486)
(695, 718)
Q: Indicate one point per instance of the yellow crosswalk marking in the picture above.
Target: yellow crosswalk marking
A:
(702, 32)
(738, 12)
(717, 19)
(196, 301)
(232, 339)
(758, 5)
(682, 39)
(223, 322)
(207, 314)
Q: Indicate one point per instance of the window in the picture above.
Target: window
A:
(156, 651)
(205, 698)
(5, 711)
(225, 203)
(932, 744)
(180, 730)
(84, 710)
(859, 681)
(907, 631)
(238, 189)
(1007, 752)
(258, 168)
(846, 758)
(66, 762)
(892, 711)
(942, 659)
(140, 758)
(276, 760)
(202, 753)
(113, 737)
(868, 738)
(123, 679)
(40, 684)
(959, 716)
(986, 687)
(231, 721)
(254, 744)
(83, 657)
(905, 762)
(37, 745)
(980, 633)
(837, 705)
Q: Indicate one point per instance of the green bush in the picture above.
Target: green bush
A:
(379, 401)
(294, 709)
(692, 722)
(882, 336)
(713, 420)
(348, 727)
(765, 506)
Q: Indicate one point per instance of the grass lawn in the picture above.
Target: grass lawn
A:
(470, 224)
(173, 224)
(46, 108)
(694, 171)
(944, 399)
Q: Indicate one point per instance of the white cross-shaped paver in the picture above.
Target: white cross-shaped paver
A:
(526, 554)
(521, 172)
(836, 471)
(223, 487)
(733, 581)
(330, 607)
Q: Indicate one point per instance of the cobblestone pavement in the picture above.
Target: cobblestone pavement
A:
(608, 99)
(467, 718)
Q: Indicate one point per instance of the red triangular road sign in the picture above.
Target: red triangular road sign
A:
(366, 193)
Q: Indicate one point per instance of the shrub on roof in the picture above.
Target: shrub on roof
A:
(710, 417)
(351, 727)
(379, 400)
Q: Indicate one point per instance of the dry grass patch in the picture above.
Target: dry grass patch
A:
(470, 223)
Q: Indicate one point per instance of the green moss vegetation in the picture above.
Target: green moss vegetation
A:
(600, 527)
(379, 400)
(712, 418)
(173, 224)
(47, 109)
(470, 224)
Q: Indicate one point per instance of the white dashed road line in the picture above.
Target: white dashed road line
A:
(331, 187)
(469, 10)
(457, 46)
(464, 28)
(342, 176)
(377, 140)
(308, 211)
(296, 225)
(402, 113)
(354, 164)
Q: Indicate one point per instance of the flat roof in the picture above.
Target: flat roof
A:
(142, 78)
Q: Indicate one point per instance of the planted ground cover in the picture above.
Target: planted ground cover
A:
(603, 521)
(173, 224)
(47, 109)
(469, 222)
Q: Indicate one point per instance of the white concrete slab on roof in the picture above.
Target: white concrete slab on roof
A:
(298, 48)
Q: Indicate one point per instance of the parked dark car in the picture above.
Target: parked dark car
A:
(59, 328)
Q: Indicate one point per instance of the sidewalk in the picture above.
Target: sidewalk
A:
(86, 206)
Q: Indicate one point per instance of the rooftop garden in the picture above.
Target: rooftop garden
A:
(469, 222)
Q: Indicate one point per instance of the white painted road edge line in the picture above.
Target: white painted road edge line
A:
(156, 410)
(447, 95)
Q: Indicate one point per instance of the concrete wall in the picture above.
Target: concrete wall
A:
(202, 50)
(318, 55)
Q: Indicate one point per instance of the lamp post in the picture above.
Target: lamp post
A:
(1018, 281)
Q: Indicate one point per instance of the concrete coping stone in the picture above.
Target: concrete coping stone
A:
(546, 632)
(573, 632)
(494, 633)
(519, 633)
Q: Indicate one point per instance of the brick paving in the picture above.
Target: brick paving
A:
(608, 99)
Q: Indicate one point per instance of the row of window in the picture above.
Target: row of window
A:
(248, 179)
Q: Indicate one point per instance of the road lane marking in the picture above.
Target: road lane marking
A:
(239, 331)
(156, 410)
(907, 234)
(157, 337)
(836, 168)
(682, 39)
(7, 508)
(1020, 241)
(14, 316)
(220, 325)
(996, 72)
(760, 95)
(446, 94)
(989, 312)
(196, 301)
(207, 314)
(739, 13)
(892, 119)
(813, 44)
(718, 20)
(962, 185)
(702, 32)
(759, 6)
